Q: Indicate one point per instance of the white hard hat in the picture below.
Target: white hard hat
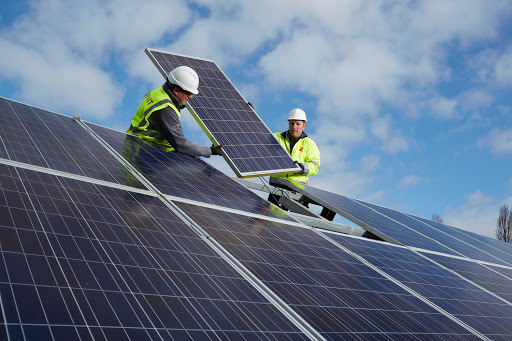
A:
(185, 77)
(297, 114)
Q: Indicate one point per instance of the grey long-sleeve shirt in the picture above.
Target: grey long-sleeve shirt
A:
(168, 124)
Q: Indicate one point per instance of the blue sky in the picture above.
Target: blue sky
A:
(408, 101)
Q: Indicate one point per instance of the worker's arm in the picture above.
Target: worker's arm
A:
(167, 122)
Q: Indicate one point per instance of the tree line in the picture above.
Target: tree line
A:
(504, 225)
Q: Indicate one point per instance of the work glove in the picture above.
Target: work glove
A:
(304, 168)
(216, 150)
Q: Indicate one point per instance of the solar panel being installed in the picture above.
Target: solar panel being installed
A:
(225, 116)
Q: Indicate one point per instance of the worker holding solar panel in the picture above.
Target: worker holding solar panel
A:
(158, 117)
(301, 148)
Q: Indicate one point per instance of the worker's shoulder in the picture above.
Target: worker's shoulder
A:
(309, 141)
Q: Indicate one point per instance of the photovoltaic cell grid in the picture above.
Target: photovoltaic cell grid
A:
(46, 139)
(67, 248)
(484, 275)
(506, 247)
(474, 306)
(334, 292)
(451, 238)
(247, 144)
(491, 245)
(407, 229)
(86, 262)
(357, 212)
(507, 273)
(184, 176)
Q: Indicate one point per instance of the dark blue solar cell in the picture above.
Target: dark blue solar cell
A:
(66, 333)
(228, 118)
(459, 297)
(37, 333)
(484, 275)
(330, 289)
(46, 139)
(184, 176)
(109, 283)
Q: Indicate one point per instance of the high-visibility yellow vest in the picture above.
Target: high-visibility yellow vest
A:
(154, 100)
(304, 151)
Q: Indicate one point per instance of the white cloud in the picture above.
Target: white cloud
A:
(391, 138)
(357, 67)
(340, 176)
(369, 163)
(474, 100)
(498, 141)
(410, 180)
(72, 87)
(59, 50)
(503, 68)
(494, 66)
(349, 59)
(478, 214)
(376, 196)
(444, 108)
(342, 180)
(92, 29)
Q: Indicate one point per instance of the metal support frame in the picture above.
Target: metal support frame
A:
(328, 214)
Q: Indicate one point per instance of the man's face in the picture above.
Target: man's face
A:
(295, 128)
(182, 95)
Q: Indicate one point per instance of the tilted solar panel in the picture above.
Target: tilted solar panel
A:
(338, 295)
(371, 220)
(225, 116)
(80, 261)
(474, 306)
(507, 273)
(42, 138)
(449, 237)
(392, 225)
(484, 275)
(494, 246)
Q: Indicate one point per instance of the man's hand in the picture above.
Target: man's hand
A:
(304, 168)
(216, 150)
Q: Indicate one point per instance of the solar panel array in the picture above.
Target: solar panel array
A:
(107, 237)
(247, 144)
(398, 227)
